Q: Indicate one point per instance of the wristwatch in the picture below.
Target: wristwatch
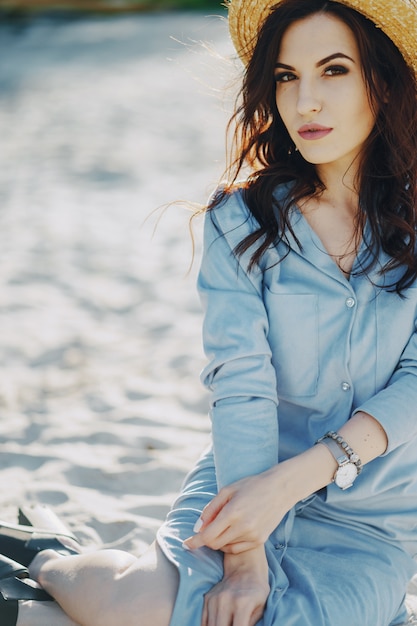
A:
(347, 471)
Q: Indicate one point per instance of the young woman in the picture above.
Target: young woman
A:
(304, 509)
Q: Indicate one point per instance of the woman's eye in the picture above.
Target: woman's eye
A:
(284, 77)
(335, 70)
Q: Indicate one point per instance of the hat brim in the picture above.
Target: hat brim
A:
(397, 19)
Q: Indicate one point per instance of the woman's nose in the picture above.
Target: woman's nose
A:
(308, 100)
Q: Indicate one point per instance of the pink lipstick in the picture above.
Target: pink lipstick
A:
(313, 131)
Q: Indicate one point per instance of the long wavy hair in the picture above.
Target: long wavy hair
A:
(387, 181)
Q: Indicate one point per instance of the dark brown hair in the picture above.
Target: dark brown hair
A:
(387, 177)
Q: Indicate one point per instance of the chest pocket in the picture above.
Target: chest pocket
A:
(294, 340)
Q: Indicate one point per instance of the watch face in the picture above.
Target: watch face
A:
(346, 475)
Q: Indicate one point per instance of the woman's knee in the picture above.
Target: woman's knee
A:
(145, 591)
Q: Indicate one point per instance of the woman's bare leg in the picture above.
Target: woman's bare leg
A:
(108, 587)
(33, 613)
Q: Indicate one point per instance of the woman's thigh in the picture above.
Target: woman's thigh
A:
(110, 587)
(33, 613)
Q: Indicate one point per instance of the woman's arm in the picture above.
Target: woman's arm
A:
(395, 406)
(239, 374)
(241, 595)
(244, 514)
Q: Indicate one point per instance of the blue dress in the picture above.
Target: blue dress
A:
(294, 350)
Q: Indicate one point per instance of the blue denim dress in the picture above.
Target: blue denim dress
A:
(294, 350)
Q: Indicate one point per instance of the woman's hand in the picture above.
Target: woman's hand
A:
(243, 515)
(241, 596)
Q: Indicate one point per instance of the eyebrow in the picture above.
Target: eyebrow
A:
(331, 57)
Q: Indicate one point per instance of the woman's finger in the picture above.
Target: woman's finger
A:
(216, 617)
(226, 542)
(244, 616)
(207, 538)
(238, 547)
(221, 610)
(223, 532)
(210, 533)
(212, 509)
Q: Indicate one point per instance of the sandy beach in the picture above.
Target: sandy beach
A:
(103, 120)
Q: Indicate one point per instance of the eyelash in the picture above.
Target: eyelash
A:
(335, 70)
(284, 77)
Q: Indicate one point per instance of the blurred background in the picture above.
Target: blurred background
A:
(109, 6)
(109, 110)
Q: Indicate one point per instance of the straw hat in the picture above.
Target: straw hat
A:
(397, 18)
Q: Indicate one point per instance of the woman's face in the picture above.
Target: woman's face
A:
(321, 93)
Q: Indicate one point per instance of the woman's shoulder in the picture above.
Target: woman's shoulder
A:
(229, 201)
(229, 221)
(228, 215)
(228, 206)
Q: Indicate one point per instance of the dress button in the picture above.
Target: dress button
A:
(345, 386)
(350, 302)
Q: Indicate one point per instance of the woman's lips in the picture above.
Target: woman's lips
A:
(313, 131)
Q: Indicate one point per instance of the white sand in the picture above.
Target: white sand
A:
(102, 120)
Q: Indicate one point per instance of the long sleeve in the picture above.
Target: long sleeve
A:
(239, 374)
(395, 406)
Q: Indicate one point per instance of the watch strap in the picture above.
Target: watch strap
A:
(339, 455)
(343, 445)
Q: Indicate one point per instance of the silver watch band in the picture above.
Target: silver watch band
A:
(343, 445)
(339, 455)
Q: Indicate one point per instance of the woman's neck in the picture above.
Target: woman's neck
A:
(340, 189)
(333, 215)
